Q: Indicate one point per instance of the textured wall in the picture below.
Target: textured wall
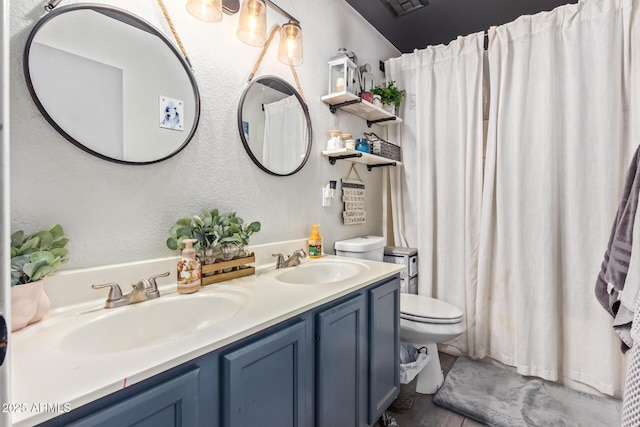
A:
(117, 213)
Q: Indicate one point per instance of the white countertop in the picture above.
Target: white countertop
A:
(45, 372)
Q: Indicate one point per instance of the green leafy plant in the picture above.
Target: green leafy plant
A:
(389, 94)
(211, 230)
(38, 255)
(247, 230)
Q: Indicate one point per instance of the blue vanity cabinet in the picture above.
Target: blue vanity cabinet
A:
(384, 344)
(335, 365)
(341, 364)
(357, 356)
(265, 382)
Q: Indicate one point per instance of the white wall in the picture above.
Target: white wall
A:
(115, 213)
(5, 298)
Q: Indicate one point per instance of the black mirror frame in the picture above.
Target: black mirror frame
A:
(245, 143)
(135, 21)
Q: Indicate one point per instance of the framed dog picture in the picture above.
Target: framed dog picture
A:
(171, 113)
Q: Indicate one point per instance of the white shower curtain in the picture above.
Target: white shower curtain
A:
(284, 120)
(442, 174)
(561, 135)
(563, 126)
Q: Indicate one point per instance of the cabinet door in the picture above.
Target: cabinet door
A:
(384, 344)
(171, 404)
(264, 382)
(340, 364)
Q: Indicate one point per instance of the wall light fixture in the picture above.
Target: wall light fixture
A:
(252, 25)
(206, 10)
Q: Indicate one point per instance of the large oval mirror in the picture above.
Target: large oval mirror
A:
(111, 84)
(274, 126)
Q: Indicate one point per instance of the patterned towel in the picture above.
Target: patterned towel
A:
(631, 399)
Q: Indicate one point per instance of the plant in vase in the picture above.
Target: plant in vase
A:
(201, 228)
(246, 230)
(390, 96)
(186, 228)
(219, 236)
(33, 257)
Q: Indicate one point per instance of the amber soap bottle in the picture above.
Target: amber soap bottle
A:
(315, 242)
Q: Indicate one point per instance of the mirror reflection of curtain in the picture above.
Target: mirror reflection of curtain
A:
(284, 120)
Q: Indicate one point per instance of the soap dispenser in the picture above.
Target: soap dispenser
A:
(189, 269)
(315, 242)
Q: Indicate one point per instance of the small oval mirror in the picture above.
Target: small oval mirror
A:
(111, 84)
(274, 125)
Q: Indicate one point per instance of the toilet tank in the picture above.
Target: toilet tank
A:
(365, 247)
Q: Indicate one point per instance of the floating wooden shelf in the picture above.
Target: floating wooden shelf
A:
(361, 108)
(213, 273)
(371, 160)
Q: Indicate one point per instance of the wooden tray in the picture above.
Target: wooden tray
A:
(212, 273)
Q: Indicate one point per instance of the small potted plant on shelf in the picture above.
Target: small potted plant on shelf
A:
(33, 257)
(390, 96)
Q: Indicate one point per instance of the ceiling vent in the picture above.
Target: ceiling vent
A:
(402, 7)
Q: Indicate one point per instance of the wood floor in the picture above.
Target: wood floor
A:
(425, 414)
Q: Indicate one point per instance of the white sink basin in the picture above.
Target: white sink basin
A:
(316, 273)
(152, 322)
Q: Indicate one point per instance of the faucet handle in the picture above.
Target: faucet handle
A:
(142, 285)
(115, 293)
(152, 280)
(300, 252)
(280, 261)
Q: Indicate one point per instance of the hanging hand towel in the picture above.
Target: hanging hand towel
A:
(614, 268)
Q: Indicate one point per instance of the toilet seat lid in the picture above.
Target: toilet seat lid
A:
(423, 309)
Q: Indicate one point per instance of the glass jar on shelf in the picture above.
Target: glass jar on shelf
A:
(348, 141)
(335, 139)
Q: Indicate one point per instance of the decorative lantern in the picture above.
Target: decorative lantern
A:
(342, 75)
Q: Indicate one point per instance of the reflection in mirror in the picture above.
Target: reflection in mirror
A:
(274, 126)
(111, 84)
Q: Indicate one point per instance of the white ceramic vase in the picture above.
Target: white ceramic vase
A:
(29, 304)
(389, 108)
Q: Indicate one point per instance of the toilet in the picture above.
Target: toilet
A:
(424, 321)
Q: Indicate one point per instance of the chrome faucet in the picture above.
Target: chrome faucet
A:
(292, 261)
(144, 290)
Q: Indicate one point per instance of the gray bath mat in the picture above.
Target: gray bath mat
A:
(499, 397)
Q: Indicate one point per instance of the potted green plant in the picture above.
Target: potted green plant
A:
(33, 257)
(218, 236)
(246, 230)
(390, 96)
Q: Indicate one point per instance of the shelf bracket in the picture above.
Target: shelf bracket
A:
(370, 167)
(335, 107)
(386, 119)
(332, 159)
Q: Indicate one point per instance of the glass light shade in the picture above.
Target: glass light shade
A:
(252, 25)
(290, 50)
(206, 10)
